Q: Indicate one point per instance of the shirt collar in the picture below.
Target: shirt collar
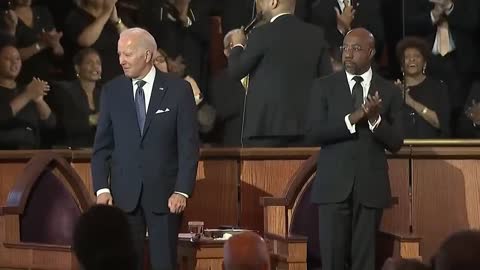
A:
(149, 78)
(367, 76)
(281, 14)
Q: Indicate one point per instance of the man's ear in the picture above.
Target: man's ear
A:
(372, 53)
(148, 56)
(274, 3)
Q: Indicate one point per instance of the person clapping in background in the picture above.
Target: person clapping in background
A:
(23, 110)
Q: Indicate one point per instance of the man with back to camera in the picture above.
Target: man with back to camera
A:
(354, 116)
(281, 57)
(146, 148)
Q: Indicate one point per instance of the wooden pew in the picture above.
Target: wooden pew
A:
(40, 213)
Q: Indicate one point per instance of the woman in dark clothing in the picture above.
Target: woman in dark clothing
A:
(77, 102)
(23, 111)
(427, 111)
(37, 41)
(95, 23)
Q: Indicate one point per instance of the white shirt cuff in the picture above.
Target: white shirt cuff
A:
(448, 11)
(432, 18)
(350, 127)
(198, 99)
(181, 193)
(238, 45)
(102, 190)
(375, 125)
(189, 22)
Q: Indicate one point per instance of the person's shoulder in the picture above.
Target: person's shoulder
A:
(330, 79)
(120, 80)
(173, 82)
(333, 77)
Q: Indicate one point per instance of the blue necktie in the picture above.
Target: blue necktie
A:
(140, 104)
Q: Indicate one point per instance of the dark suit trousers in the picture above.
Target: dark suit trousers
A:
(347, 232)
(162, 237)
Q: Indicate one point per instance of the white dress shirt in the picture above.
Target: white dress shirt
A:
(276, 16)
(367, 79)
(149, 79)
(342, 5)
(436, 43)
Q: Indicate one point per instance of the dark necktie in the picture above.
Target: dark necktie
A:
(357, 92)
(140, 104)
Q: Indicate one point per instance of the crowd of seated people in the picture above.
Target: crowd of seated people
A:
(436, 75)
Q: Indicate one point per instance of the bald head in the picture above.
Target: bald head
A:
(358, 51)
(270, 9)
(246, 251)
(362, 34)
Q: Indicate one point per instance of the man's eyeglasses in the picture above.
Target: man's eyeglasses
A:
(355, 48)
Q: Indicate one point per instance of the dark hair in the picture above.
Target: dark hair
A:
(412, 42)
(6, 41)
(80, 55)
(459, 251)
(102, 240)
(404, 264)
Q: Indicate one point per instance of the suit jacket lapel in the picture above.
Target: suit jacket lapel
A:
(373, 84)
(129, 102)
(158, 92)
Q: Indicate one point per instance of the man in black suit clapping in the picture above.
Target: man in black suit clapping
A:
(354, 116)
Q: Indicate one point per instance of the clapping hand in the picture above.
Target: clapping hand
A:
(37, 89)
(444, 4)
(372, 107)
(182, 7)
(345, 18)
(473, 112)
(11, 20)
(405, 92)
(51, 39)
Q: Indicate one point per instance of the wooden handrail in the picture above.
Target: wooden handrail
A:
(19, 194)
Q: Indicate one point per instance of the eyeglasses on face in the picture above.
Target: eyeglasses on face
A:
(355, 48)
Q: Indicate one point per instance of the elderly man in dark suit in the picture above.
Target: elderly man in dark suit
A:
(282, 57)
(146, 147)
(354, 116)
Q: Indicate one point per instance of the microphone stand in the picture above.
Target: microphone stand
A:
(255, 19)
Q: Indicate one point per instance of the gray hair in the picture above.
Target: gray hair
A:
(144, 37)
(228, 37)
